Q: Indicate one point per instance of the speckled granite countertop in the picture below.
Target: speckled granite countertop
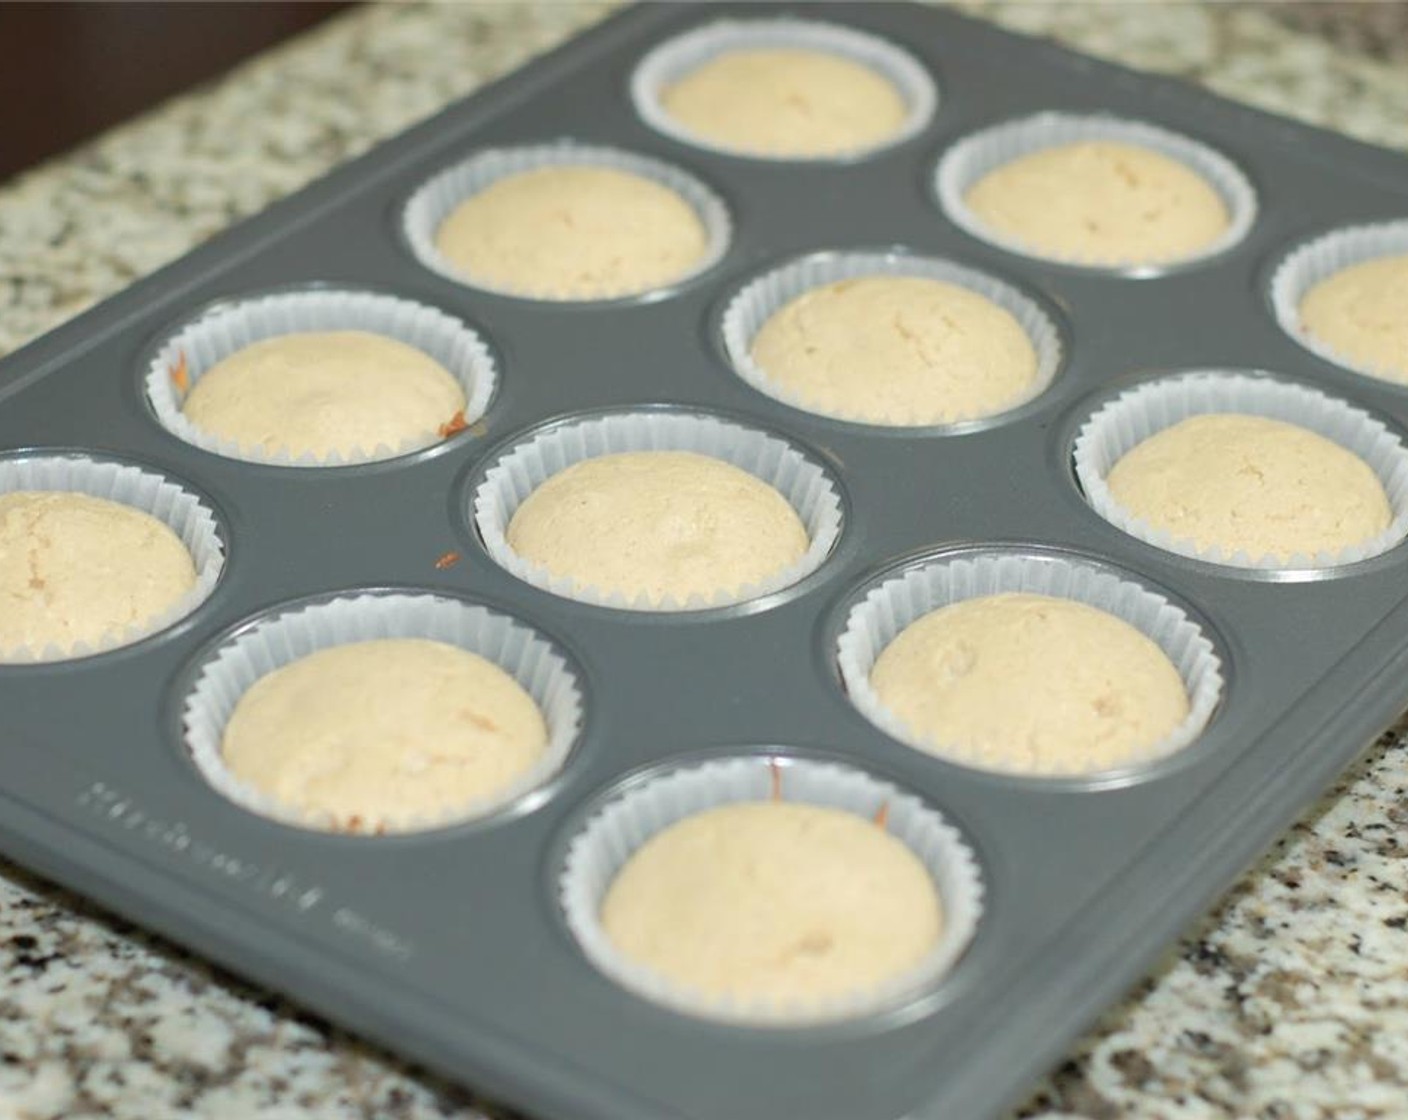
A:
(1290, 1002)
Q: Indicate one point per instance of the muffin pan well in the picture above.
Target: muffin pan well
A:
(451, 945)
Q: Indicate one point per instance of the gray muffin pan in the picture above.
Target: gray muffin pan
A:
(449, 946)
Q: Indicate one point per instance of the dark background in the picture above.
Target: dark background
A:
(70, 70)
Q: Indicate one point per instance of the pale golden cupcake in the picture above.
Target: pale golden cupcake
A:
(774, 901)
(658, 524)
(1361, 313)
(384, 734)
(1252, 485)
(785, 101)
(322, 393)
(897, 350)
(79, 569)
(1101, 202)
(1033, 683)
(574, 232)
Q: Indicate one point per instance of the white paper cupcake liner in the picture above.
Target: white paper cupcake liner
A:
(179, 509)
(763, 297)
(879, 618)
(229, 328)
(773, 460)
(288, 635)
(1143, 411)
(434, 200)
(1320, 259)
(974, 156)
(672, 60)
(615, 833)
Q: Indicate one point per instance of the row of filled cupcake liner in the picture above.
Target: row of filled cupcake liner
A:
(232, 325)
(813, 490)
(870, 617)
(962, 165)
(957, 171)
(630, 812)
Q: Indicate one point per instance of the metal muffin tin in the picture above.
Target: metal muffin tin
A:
(449, 946)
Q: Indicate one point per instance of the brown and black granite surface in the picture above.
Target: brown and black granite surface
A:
(1290, 1002)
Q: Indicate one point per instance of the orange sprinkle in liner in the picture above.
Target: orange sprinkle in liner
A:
(882, 814)
(180, 376)
(455, 423)
(448, 560)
